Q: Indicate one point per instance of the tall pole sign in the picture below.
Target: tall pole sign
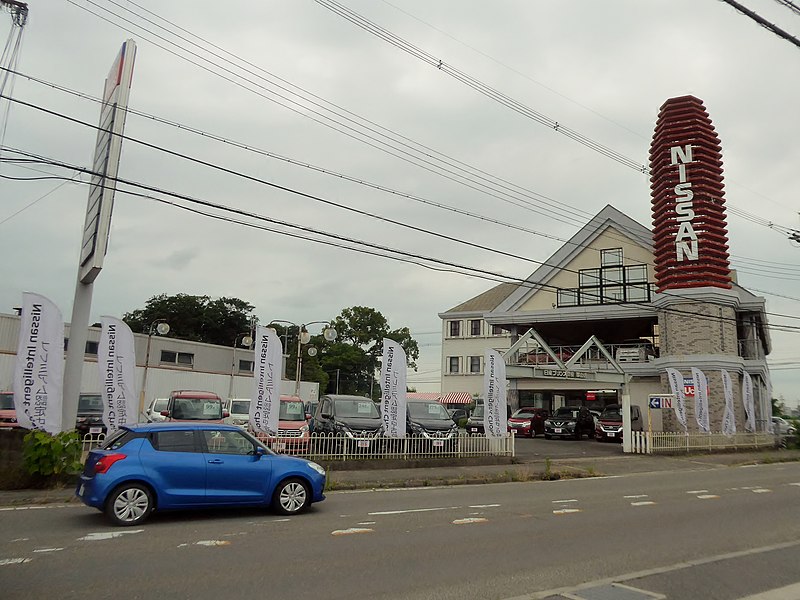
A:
(98, 218)
(690, 237)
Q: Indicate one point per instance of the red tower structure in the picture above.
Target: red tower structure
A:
(690, 237)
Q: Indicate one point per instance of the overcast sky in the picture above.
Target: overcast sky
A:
(601, 69)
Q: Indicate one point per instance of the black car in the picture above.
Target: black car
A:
(569, 421)
(475, 421)
(429, 420)
(90, 415)
(351, 417)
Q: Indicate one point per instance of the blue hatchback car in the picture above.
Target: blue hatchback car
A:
(169, 466)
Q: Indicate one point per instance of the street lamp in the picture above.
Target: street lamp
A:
(329, 333)
(245, 340)
(161, 327)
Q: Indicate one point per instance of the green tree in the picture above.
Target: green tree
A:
(197, 318)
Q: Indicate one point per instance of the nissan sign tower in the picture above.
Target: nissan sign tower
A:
(697, 304)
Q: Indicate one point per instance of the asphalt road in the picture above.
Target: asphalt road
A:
(712, 535)
(538, 448)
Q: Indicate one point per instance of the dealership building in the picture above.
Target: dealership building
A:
(619, 304)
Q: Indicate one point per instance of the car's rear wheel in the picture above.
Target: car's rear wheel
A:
(533, 432)
(129, 504)
(291, 497)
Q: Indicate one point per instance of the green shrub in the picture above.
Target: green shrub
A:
(52, 455)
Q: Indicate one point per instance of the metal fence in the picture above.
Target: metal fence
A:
(340, 447)
(656, 442)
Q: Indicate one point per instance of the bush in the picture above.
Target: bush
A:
(52, 456)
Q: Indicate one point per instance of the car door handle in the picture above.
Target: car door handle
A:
(216, 461)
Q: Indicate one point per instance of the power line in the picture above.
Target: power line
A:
(763, 22)
(790, 5)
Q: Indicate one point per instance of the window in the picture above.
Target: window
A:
(568, 297)
(180, 358)
(227, 442)
(453, 364)
(455, 328)
(174, 441)
(474, 364)
(638, 293)
(588, 277)
(636, 274)
(590, 296)
(92, 347)
(611, 257)
(246, 366)
(497, 330)
(612, 276)
(475, 327)
(613, 294)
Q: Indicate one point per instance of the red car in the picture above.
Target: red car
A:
(527, 421)
(8, 415)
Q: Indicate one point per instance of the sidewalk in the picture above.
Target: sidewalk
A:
(456, 474)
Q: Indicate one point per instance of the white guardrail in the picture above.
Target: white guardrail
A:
(340, 447)
(657, 442)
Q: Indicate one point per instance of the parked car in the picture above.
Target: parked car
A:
(293, 430)
(782, 427)
(169, 466)
(90, 415)
(527, 421)
(475, 421)
(609, 426)
(238, 411)
(353, 417)
(187, 405)
(8, 414)
(458, 414)
(430, 420)
(157, 406)
(569, 421)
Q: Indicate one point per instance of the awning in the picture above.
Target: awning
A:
(422, 396)
(456, 398)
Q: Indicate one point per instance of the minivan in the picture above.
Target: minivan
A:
(189, 405)
(609, 425)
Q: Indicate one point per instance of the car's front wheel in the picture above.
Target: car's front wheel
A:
(291, 497)
(129, 504)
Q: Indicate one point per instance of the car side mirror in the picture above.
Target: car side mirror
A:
(260, 452)
(225, 414)
(308, 416)
(164, 413)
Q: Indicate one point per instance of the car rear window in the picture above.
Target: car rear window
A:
(200, 409)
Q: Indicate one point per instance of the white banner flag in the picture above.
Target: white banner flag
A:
(266, 399)
(39, 370)
(495, 417)
(728, 417)
(768, 405)
(116, 362)
(749, 403)
(676, 385)
(393, 389)
(701, 399)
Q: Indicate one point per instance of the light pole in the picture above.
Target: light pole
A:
(303, 338)
(161, 327)
(246, 340)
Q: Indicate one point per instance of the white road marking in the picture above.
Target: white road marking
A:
(48, 549)
(761, 491)
(412, 510)
(798, 484)
(483, 506)
(13, 561)
(697, 492)
(107, 535)
(637, 496)
(469, 521)
(280, 520)
(566, 511)
(212, 543)
(8, 508)
(367, 523)
(707, 497)
(21, 540)
(351, 531)
(643, 503)
(563, 501)
(785, 593)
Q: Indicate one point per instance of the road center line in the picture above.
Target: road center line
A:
(563, 501)
(412, 510)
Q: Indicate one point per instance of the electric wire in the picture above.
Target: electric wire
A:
(763, 22)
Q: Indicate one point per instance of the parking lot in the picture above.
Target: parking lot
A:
(540, 448)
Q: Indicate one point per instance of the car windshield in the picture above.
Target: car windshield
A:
(523, 413)
(478, 411)
(90, 404)
(566, 411)
(240, 407)
(292, 411)
(356, 408)
(428, 410)
(611, 414)
(196, 408)
(160, 404)
(6, 401)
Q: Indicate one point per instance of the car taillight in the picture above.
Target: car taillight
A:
(105, 462)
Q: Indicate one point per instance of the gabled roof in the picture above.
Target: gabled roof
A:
(486, 301)
(609, 217)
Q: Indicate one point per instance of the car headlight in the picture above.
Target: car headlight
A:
(318, 468)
